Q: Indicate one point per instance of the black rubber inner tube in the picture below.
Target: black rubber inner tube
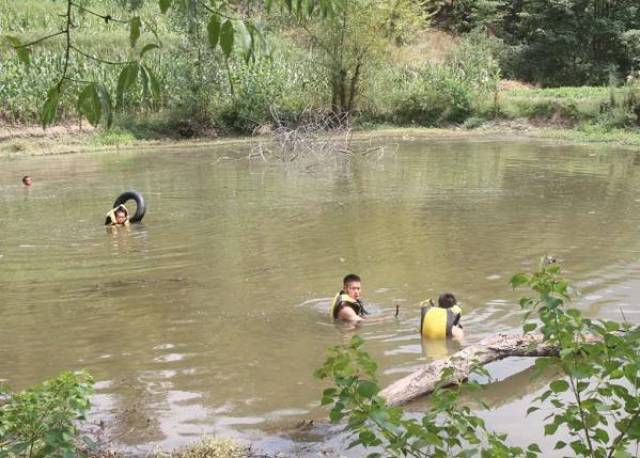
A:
(141, 207)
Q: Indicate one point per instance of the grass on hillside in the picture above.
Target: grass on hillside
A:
(416, 87)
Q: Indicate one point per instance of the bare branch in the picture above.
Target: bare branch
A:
(106, 18)
(39, 40)
(98, 59)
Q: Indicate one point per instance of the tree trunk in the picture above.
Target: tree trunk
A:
(424, 380)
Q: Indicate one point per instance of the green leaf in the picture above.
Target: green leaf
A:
(559, 445)
(559, 386)
(329, 392)
(518, 280)
(226, 38)
(601, 436)
(356, 342)
(213, 30)
(532, 409)
(50, 107)
(105, 103)
(144, 78)
(529, 327)
(368, 389)
(550, 429)
(155, 85)
(89, 104)
(21, 51)
(336, 414)
(127, 78)
(534, 448)
(573, 313)
(622, 454)
(134, 30)
(148, 48)
(164, 5)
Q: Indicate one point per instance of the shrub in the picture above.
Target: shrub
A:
(446, 429)
(435, 98)
(40, 421)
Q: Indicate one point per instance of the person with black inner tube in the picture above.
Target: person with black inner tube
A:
(443, 320)
(118, 216)
(347, 305)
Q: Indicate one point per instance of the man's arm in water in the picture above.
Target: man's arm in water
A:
(349, 315)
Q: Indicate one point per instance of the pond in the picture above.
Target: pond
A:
(211, 315)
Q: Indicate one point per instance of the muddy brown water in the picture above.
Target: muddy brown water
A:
(211, 315)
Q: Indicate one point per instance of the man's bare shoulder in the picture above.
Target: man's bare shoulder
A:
(346, 313)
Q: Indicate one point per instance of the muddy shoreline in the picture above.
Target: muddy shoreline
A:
(67, 139)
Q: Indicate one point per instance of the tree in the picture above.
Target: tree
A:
(356, 37)
(572, 42)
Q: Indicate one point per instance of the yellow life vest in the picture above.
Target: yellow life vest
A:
(111, 216)
(437, 322)
(343, 297)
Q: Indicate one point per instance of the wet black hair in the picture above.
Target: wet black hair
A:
(447, 300)
(121, 209)
(350, 279)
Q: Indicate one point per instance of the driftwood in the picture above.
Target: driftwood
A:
(424, 380)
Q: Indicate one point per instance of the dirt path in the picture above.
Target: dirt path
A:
(8, 132)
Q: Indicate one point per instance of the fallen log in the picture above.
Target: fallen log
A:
(425, 380)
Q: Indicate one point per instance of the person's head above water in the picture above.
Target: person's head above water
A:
(351, 286)
(121, 215)
(447, 300)
(118, 216)
(26, 180)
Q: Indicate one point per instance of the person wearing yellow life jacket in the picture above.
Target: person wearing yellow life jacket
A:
(443, 320)
(118, 216)
(346, 305)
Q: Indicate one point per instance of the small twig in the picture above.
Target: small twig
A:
(217, 13)
(98, 59)
(35, 42)
(106, 18)
(74, 80)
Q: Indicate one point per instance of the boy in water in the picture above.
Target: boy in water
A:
(118, 216)
(347, 306)
(443, 320)
(27, 181)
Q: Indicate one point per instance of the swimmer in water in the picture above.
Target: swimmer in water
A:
(118, 216)
(27, 181)
(347, 306)
(443, 320)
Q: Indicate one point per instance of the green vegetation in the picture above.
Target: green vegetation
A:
(40, 421)
(553, 43)
(192, 72)
(595, 402)
(446, 429)
(43, 421)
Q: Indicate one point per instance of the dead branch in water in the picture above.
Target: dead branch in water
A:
(319, 139)
(493, 348)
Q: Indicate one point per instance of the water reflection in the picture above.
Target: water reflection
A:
(214, 311)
